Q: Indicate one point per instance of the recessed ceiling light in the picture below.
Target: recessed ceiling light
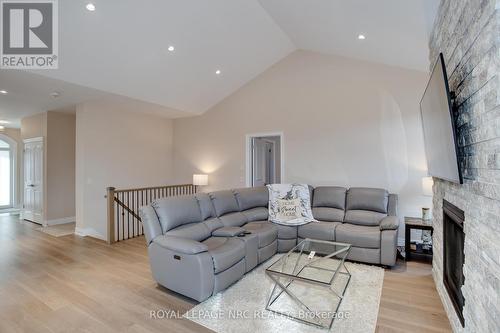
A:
(171, 48)
(4, 122)
(218, 72)
(361, 37)
(55, 94)
(3, 92)
(90, 7)
(2, 128)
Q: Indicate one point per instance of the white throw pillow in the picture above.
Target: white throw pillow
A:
(290, 204)
(288, 209)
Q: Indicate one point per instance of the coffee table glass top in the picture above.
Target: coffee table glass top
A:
(304, 259)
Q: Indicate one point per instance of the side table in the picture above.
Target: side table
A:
(419, 224)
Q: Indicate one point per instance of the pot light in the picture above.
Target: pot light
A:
(171, 48)
(55, 94)
(218, 72)
(2, 128)
(90, 7)
(361, 37)
(3, 92)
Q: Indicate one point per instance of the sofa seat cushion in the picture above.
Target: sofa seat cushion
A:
(318, 230)
(286, 231)
(364, 217)
(256, 214)
(328, 214)
(358, 235)
(265, 230)
(225, 252)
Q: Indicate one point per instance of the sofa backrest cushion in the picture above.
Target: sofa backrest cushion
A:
(326, 214)
(252, 197)
(371, 199)
(256, 214)
(329, 196)
(224, 202)
(236, 219)
(392, 206)
(364, 217)
(194, 231)
(175, 211)
(206, 206)
(150, 223)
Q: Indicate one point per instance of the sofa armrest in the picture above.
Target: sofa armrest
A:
(181, 245)
(228, 232)
(389, 223)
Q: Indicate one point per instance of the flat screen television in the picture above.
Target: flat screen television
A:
(438, 122)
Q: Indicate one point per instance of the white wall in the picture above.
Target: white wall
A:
(345, 122)
(60, 167)
(116, 147)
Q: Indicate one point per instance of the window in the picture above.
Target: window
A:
(6, 174)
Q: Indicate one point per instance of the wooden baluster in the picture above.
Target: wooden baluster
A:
(128, 214)
(123, 216)
(110, 196)
(133, 217)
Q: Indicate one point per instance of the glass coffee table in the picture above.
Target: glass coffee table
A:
(306, 278)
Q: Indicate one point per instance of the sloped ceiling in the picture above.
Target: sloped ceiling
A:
(396, 31)
(122, 47)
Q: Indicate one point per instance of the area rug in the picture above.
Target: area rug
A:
(241, 308)
(59, 230)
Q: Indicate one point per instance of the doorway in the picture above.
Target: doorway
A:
(264, 159)
(8, 156)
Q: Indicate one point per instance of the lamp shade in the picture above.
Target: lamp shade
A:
(427, 183)
(200, 180)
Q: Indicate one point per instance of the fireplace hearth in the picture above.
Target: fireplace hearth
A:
(453, 255)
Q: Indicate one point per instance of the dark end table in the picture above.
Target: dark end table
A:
(419, 224)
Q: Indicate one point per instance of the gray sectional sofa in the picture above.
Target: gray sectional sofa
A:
(199, 245)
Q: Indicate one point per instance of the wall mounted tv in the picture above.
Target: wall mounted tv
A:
(438, 123)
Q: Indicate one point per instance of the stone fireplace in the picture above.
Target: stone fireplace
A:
(467, 33)
(453, 255)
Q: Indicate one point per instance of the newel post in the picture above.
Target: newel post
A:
(110, 196)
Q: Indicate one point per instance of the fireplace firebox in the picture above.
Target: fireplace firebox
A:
(453, 255)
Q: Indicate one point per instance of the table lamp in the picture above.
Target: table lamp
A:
(200, 180)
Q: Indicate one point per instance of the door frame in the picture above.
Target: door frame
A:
(248, 154)
(14, 181)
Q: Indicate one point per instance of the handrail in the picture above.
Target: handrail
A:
(123, 206)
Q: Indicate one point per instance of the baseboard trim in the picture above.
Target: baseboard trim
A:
(89, 232)
(64, 220)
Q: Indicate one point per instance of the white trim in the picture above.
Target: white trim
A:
(37, 139)
(248, 156)
(89, 232)
(63, 220)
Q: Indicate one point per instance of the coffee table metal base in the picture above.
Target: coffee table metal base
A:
(283, 281)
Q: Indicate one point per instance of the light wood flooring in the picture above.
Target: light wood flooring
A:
(73, 284)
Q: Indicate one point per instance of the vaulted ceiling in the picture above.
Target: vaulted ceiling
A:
(121, 48)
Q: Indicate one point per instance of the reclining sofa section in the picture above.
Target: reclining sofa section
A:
(201, 244)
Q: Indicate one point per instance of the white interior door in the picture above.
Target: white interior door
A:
(33, 181)
(259, 165)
